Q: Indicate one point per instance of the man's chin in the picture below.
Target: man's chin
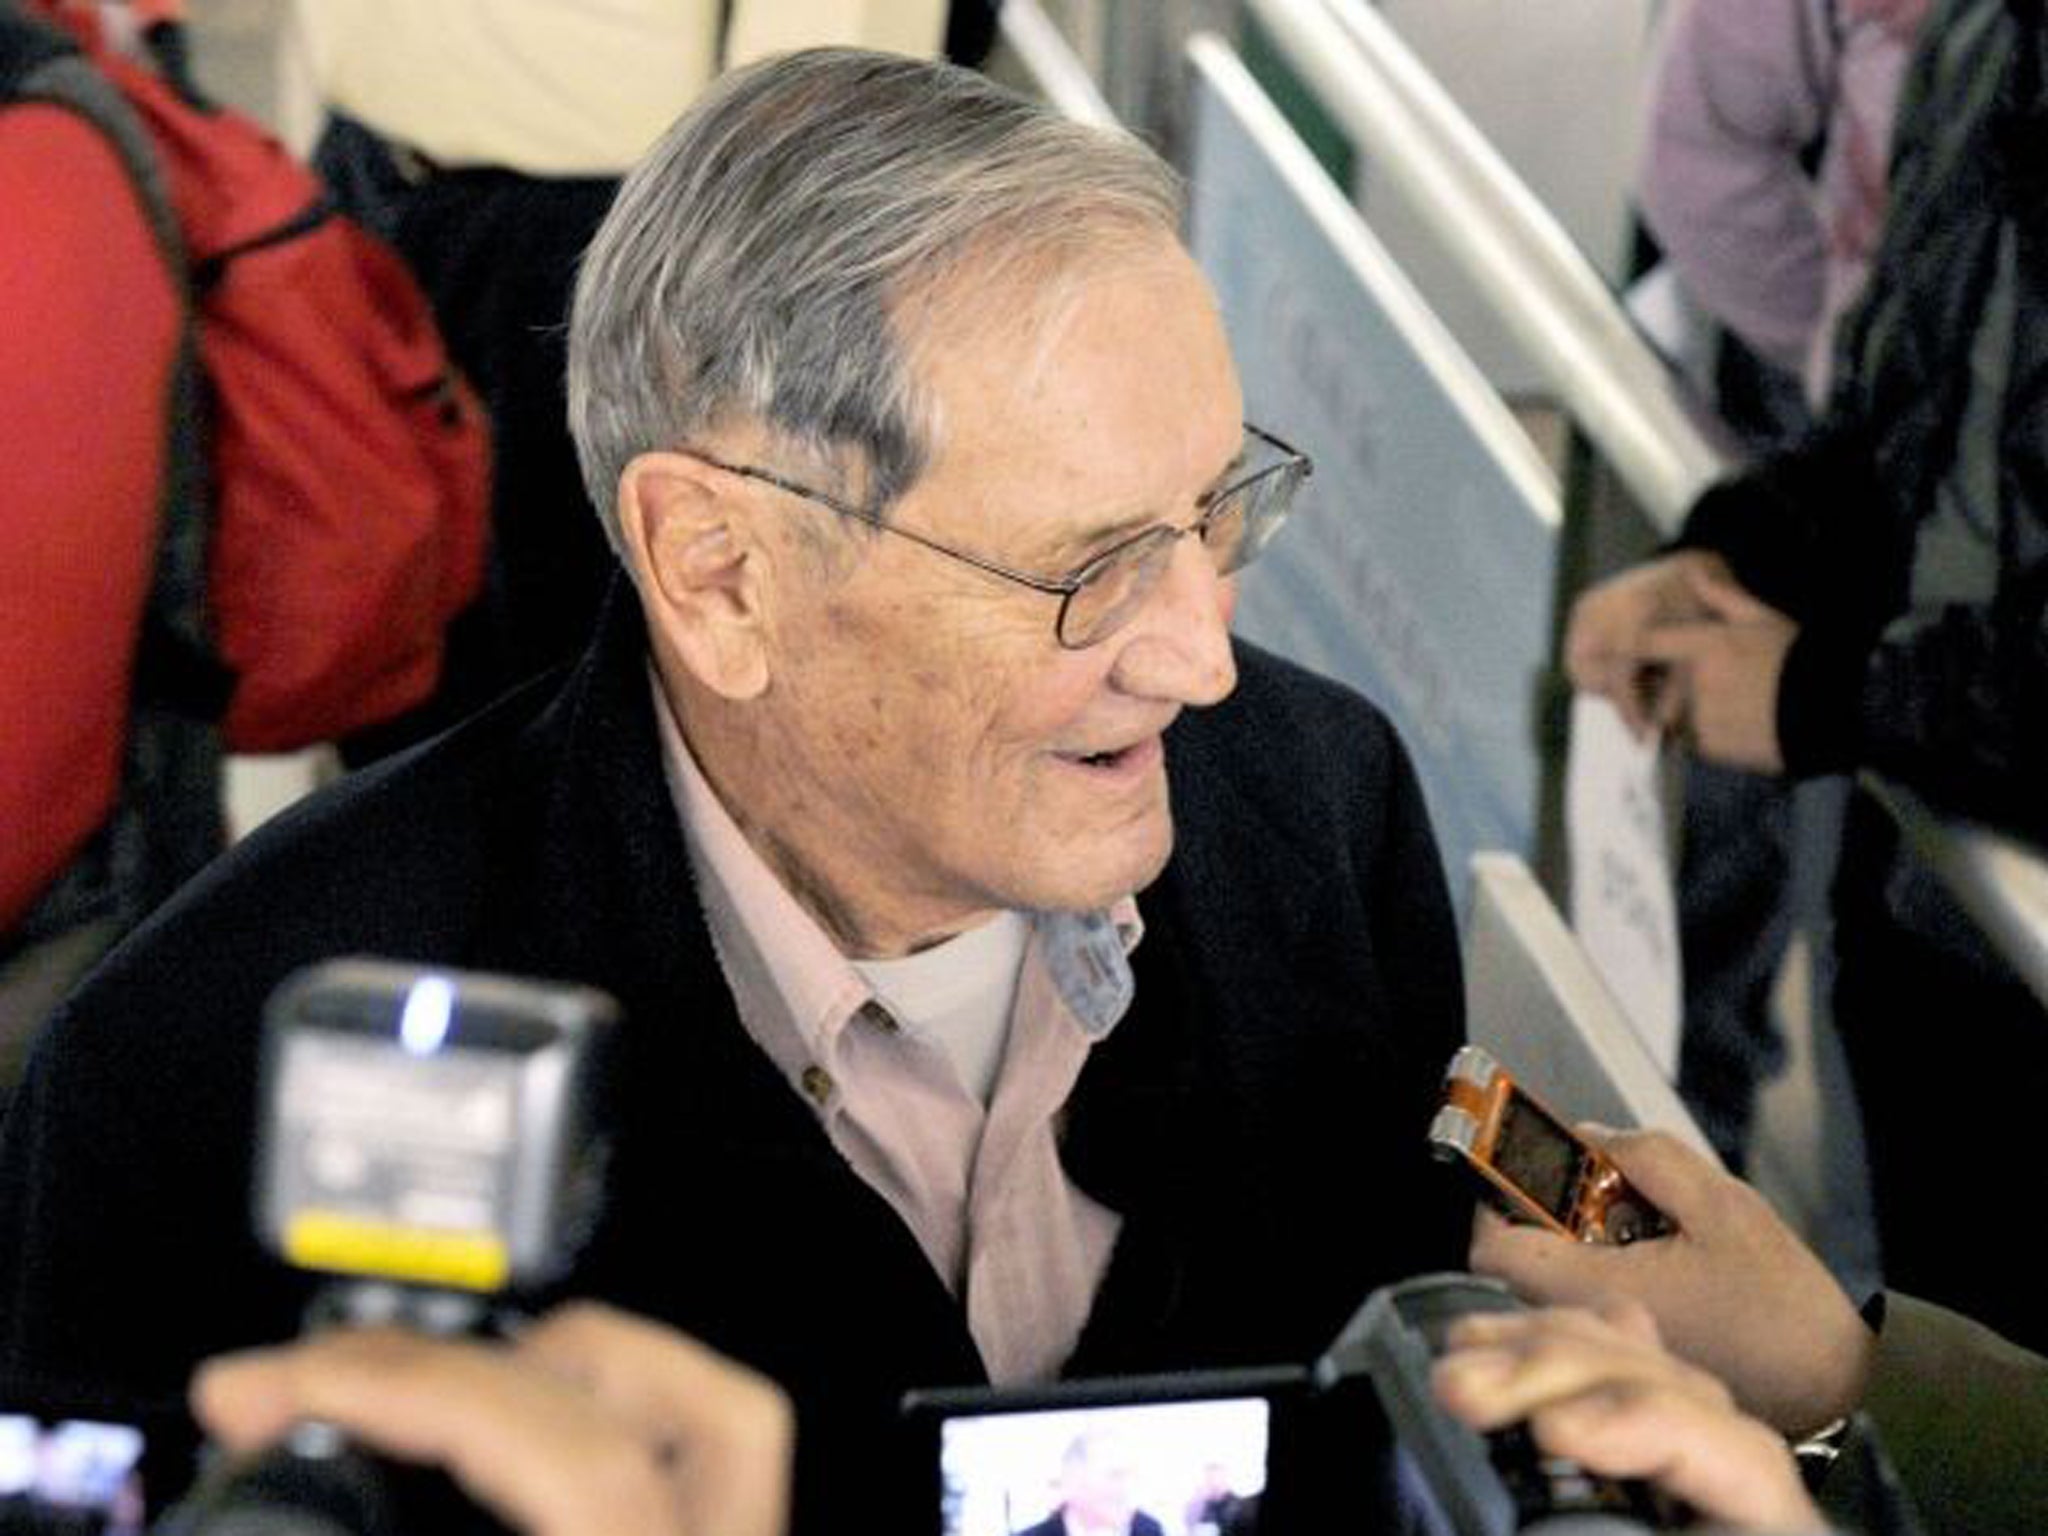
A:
(1131, 870)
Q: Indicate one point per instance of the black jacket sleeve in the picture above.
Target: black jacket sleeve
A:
(1951, 701)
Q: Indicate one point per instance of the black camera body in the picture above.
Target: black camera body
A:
(316, 1483)
(433, 1141)
(1459, 1481)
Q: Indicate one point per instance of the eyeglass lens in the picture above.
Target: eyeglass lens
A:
(1233, 529)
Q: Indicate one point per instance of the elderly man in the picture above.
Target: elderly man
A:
(1021, 977)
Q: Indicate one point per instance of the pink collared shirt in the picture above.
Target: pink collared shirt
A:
(1742, 89)
(981, 1188)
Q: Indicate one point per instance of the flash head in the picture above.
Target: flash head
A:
(431, 1127)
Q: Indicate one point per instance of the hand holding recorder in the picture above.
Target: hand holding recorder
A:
(1732, 1289)
(1529, 1164)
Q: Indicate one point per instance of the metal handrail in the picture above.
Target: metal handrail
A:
(1544, 291)
(1057, 70)
(1620, 393)
(2001, 882)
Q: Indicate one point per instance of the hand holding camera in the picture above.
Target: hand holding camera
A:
(591, 1422)
(1598, 1388)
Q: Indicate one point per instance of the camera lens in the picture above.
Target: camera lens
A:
(313, 1484)
(317, 1483)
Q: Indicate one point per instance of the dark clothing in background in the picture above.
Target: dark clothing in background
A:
(1912, 549)
(496, 252)
(1763, 181)
(1055, 1524)
(1740, 891)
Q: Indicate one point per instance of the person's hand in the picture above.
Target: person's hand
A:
(1600, 1390)
(1733, 1290)
(592, 1423)
(1604, 647)
(1721, 672)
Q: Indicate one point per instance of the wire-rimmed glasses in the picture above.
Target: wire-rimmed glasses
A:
(1101, 595)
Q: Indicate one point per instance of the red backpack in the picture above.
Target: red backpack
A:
(350, 464)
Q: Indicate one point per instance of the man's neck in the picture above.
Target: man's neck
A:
(728, 754)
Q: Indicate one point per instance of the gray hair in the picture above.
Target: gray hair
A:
(760, 264)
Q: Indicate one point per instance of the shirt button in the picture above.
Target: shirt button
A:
(818, 1084)
(880, 1017)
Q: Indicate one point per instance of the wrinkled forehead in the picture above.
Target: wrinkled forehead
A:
(1105, 370)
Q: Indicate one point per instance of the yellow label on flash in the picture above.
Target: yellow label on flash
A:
(351, 1245)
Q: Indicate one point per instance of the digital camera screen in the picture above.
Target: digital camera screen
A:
(70, 1477)
(1173, 1468)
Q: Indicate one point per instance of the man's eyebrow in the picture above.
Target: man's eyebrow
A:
(1228, 472)
(1078, 549)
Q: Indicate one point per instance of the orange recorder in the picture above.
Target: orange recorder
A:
(1530, 1164)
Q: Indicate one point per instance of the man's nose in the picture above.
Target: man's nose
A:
(1178, 646)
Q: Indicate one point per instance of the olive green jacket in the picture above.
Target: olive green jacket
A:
(1964, 1415)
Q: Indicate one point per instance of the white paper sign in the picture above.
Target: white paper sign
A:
(1622, 906)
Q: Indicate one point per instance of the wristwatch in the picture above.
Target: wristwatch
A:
(1818, 1453)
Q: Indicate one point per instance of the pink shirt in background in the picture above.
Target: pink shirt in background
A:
(1743, 89)
(981, 1188)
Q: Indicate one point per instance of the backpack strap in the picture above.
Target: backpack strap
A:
(39, 63)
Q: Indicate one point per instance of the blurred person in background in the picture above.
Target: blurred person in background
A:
(1764, 172)
(107, 801)
(1875, 598)
(1096, 1475)
(1763, 183)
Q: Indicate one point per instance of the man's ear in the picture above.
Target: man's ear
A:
(702, 578)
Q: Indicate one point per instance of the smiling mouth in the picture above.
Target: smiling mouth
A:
(1115, 759)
